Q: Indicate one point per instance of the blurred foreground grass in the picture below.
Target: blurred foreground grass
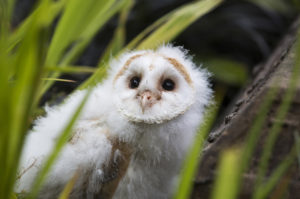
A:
(29, 58)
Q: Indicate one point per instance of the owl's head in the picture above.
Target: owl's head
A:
(157, 86)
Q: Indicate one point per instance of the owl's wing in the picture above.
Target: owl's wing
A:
(90, 152)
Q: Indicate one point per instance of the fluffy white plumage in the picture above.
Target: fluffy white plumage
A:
(153, 101)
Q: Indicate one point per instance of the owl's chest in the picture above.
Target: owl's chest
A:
(139, 169)
(147, 179)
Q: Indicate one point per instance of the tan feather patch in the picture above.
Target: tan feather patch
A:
(177, 65)
(180, 68)
(126, 65)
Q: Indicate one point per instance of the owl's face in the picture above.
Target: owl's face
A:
(152, 88)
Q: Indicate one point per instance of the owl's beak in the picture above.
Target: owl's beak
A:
(147, 99)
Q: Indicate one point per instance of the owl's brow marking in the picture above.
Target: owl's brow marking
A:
(126, 65)
(180, 68)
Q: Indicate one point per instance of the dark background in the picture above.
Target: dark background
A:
(237, 30)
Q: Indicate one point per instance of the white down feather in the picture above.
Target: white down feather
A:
(159, 147)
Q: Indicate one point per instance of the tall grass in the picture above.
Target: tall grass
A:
(29, 57)
(263, 185)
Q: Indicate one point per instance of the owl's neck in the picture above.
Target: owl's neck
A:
(152, 142)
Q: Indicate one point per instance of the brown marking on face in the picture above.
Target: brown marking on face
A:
(180, 68)
(126, 65)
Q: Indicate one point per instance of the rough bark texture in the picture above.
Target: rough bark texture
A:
(238, 122)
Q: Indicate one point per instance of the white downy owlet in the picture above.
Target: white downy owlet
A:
(133, 132)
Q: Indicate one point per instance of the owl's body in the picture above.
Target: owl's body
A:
(145, 113)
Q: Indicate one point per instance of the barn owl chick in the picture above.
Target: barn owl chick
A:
(132, 134)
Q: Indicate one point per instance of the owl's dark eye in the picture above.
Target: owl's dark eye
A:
(168, 85)
(134, 82)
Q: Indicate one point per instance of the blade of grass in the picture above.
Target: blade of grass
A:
(227, 176)
(279, 118)
(251, 141)
(27, 63)
(254, 133)
(118, 40)
(115, 46)
(58, 80)
(102, 15)
(100, 74)
(6, 10)
(169, 26)
(228, 71)
(74, 20)
(93, 27)
(277, 5)
(193, 158)
(296, 3)
(264, 190)
(5, 113)
(72, 69)
(134, 43)
(5, 62)
(78, 36)
(178, 22)
(68, 188)
(162, 31)
(13, 196)
(54, 8)
(297, 141)
(63, 138)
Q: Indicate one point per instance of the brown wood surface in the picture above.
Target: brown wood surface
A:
(241, 116)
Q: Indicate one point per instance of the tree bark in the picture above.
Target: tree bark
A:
(237, 123)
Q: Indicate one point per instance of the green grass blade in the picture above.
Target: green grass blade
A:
(296, 3)
(76, 17)
(71, 69)
(297, 140)
(98, 21)
(169, 26)
(277, 5)
(139, 38)
(5, 62)
(193, 158)
(227, 71)
(68, 188)
(279, 118)
(100, 74)
(65, 135)
(26, 65)
(162, 31)
(118, 40)
(113, 48)
(54, 8)
(5, 100)
(264, 189)
(254, 132)
(178, 21)
(76, 34)
(227, 176)
(6, 11)
(58, 80)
